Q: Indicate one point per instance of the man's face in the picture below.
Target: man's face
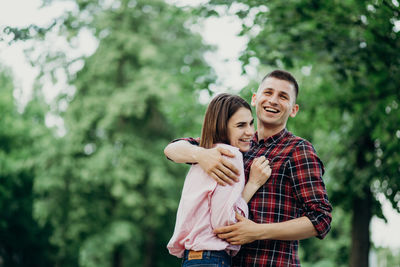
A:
(275, 101)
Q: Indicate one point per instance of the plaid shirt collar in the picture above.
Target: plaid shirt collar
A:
(272, 139)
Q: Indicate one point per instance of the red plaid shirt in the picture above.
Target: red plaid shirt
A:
(295, 189)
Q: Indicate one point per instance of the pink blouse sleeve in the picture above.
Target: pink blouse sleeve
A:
(227, 200)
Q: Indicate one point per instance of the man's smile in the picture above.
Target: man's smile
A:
(272, 110)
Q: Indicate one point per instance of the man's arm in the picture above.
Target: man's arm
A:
(182, 152)
(210, 160)
(246, 231)
(309, 190)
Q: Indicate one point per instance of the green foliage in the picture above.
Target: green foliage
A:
(22, 241)
(333, 250)
(106, 186)
(105, 195)
(347, 52)
(387, 257)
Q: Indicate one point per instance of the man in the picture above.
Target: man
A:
(293, 204)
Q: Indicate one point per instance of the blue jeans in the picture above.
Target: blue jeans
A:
(206, 258)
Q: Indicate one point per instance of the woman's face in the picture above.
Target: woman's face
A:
(241, 129)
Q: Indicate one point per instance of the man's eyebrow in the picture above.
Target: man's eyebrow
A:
(283, 93)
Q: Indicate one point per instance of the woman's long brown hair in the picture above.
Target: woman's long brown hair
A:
(219, 111)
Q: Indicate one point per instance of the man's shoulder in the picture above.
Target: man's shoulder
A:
(297, 140)
(302, 150)
(299, 145)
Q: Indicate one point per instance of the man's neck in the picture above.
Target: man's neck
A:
(266, 131)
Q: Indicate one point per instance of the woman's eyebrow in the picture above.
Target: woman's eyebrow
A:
(244, 122)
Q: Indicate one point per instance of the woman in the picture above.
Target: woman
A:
(205, 205)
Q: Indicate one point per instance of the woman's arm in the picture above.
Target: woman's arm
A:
(260, 171)
(225, 201)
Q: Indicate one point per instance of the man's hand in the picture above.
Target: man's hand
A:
(219, 168)
(243, 232)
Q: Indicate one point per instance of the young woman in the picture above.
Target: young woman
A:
(205, 205)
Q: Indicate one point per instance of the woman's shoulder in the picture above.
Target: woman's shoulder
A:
(232, 149)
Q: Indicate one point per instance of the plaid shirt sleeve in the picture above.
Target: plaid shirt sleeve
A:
(193, 141)
(306, 171)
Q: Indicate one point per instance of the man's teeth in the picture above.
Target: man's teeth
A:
(245, 140)
(271, 110)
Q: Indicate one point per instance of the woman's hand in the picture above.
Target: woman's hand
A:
(260, 171)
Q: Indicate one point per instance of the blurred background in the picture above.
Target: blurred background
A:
(92, 91)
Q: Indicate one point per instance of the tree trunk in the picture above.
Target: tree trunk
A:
(149, 249)
(360, 229)
(117, 257)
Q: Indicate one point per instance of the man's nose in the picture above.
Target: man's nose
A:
(273, 99)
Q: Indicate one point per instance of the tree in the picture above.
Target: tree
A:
(351, 49)
(105, 186)
(23, 242)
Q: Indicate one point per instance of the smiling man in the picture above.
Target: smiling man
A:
(275, 102)
(293, 203)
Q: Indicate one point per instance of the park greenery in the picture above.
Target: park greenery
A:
(102, 193)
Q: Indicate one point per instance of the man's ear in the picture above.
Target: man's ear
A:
(253, 100)
(295, 109)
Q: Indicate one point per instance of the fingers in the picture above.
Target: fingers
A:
(239, 217)
(223, 174)
(233, 170)
(223, 230)
(217, 179)
(231, 238)
(260, 160)
(220, 168)
(220, 176)
(265, 165)
(227, 236)
(225, 152)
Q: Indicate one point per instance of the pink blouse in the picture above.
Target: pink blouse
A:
(204, 206)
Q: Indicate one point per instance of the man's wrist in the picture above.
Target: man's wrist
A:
(262, 231)
(197, 153)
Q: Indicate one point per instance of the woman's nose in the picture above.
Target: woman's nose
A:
(249, 130)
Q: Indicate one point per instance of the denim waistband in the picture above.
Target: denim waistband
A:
(207, 254)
